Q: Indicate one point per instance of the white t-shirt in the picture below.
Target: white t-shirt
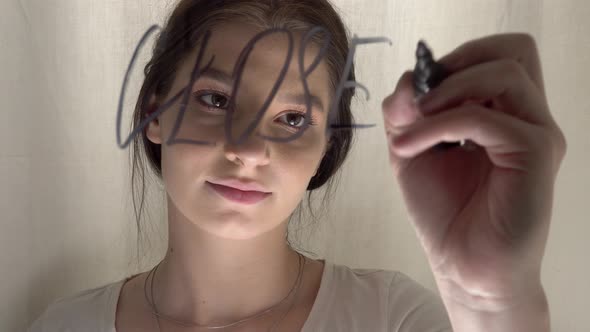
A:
(364, 300)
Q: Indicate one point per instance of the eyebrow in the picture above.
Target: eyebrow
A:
(296, 98)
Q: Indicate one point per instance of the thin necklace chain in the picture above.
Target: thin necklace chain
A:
(296, 287)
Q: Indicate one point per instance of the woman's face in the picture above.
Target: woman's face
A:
(283, 169)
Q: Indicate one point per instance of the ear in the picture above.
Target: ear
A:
(327, 147)
(153, 130)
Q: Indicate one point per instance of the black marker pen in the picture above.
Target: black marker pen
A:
(427, 75)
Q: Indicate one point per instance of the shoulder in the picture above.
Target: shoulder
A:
(393, 289)
(364, 291)
(413, 307)
(392, 297)
(364, 280)
(92, 308)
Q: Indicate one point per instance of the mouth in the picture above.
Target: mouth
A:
(240, 184)
(237, 195)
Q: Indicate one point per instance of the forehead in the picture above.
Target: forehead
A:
(266, 59)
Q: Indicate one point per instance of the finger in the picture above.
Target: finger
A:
(399, 112)
(500, 134)
(519, 47)
(399, 108)
(505, 81)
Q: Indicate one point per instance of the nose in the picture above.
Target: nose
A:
(252, 150)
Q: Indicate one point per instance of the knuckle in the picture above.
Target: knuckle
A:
(404, 81)
(528, 46)
(544, 140)
(387, 102)
(557, 141)
(551, 144)
(512, 67)
(520, 39)
(561, 143)
(526, 39)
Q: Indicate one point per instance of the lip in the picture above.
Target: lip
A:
(236, 195)
(242, 185)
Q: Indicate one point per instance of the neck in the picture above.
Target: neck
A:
(210, 280)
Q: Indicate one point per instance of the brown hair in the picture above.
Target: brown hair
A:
(192, 18)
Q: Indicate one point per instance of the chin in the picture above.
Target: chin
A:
(234, 225)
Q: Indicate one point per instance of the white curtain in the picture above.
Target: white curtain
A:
(66, 217)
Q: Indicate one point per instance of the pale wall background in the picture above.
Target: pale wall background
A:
(65, 205)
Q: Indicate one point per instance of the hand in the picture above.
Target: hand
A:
(482, 214)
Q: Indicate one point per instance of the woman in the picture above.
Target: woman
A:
(482, 215)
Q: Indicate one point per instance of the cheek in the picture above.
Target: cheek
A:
(293, 172)
(183, 165)
(298, 163)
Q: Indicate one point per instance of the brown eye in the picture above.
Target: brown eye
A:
(213, 100)
(291, 119)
